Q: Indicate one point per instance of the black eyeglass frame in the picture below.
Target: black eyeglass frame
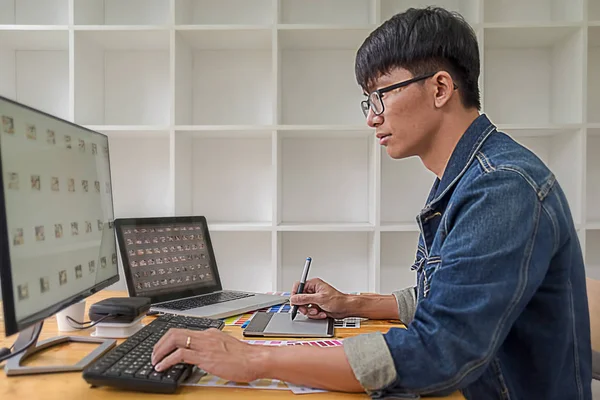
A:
(366, 104)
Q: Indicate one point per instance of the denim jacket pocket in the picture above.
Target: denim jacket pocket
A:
(425, 267)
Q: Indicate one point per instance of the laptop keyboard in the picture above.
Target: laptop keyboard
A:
(205, 300)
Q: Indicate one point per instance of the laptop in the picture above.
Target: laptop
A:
(171, 261)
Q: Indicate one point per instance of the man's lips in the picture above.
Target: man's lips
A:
(383, 138)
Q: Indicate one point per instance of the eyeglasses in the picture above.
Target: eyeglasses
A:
(374, 101)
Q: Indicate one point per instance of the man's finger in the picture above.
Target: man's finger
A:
(295, 287)
(303, 310)
(178, 356)
(315, 299)
(312, 285)
(319, 315)
(171, 340)
(160, 344)
(303, 299)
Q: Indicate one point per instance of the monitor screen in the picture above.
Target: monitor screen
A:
(58, 243)
(166, 256)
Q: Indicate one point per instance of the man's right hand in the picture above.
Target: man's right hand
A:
(320, 300)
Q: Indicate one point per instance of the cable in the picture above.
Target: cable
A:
(10, 355)
(71, 320)
(5, 353)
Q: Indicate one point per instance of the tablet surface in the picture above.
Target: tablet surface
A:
(281, 325)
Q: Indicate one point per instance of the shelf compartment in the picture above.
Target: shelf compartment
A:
(317, 76)
(558, 149)
(240, 226)
(593, 78)
(226, 178)
(244, 260)
(34, 69)
(532, 62)
(339, 258)
(326, 12)
(398, 251)
(226, 81)
(530, 12)
(593, 176)
(399, 227)
(140, 173)
(122, 77)
(325, 179)
(139, 131)
(592, 253)
(118, 12)
(223, 12)
(34, 12)
(323, 227)
(467, 8)
(593, 12)
(405, 185)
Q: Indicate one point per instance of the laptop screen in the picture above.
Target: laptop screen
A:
(166, 258)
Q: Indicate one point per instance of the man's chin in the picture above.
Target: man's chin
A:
(396, 153)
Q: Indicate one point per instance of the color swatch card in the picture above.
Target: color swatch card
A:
(238, 320)
(318, 343)
(199, 378)
(349, 322)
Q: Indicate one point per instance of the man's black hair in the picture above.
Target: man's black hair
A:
(422, 41)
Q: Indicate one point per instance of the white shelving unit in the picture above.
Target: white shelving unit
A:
(248, 113)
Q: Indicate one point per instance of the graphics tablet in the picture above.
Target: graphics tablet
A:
(265, 324)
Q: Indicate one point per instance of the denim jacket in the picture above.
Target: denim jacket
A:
(500, 306)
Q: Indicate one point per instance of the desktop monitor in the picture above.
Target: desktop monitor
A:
(57, 241)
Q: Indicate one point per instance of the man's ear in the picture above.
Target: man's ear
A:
(444, 88)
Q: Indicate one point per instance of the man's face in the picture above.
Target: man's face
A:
(406, 125)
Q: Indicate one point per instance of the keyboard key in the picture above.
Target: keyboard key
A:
(143, 373)
(175, 373)
(113, 372)
(98, 368)
(129, 372)
(156, 376)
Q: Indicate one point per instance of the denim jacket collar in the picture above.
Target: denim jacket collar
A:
(461, 157)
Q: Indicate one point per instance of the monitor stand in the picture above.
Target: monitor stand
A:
(13, 366)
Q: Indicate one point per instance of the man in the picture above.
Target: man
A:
(500, 310)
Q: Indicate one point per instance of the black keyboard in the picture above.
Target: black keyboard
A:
(204, 300)
(128, 366)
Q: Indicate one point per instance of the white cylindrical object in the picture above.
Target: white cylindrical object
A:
(76, 311)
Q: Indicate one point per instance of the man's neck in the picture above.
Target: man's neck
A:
(436, 157)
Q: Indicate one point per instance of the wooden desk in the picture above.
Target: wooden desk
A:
(65, 386)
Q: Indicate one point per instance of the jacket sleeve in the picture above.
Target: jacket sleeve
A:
(494, 257)
(407, 304)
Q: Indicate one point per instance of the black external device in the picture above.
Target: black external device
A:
(119, 309)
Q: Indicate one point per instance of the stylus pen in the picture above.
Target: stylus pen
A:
(301, 286)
